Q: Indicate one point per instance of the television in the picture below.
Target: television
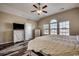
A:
(17, 26)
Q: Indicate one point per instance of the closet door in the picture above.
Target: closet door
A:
(28, 31)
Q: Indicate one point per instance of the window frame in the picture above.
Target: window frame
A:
(57, 30)
(53, 28)
(45, 29)
(65, 28)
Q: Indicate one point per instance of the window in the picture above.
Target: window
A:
(46, 29)
(61, 28)
(53, 27)
(64, 28)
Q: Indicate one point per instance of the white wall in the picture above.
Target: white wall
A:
(28, 31)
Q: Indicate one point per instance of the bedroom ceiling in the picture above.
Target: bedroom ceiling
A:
(23, 9)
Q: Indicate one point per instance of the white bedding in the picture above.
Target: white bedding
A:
(55, 45)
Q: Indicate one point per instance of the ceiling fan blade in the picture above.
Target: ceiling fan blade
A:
(44, 11)
(35, 6)
(44, 6)
(33, 11)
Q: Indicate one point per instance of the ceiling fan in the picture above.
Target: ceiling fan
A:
(39, 9)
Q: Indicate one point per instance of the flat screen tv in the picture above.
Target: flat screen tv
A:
(18, 26)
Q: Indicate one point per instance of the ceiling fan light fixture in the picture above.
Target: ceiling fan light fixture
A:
(39, 11)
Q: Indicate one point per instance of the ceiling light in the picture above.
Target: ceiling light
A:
(39, 9)
(62, 8)
(39, 12)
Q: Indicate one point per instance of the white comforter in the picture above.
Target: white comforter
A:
(55, 45)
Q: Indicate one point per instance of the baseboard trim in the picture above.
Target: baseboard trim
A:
(18, 42)
(5, 43)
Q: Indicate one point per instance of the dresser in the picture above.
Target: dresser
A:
(37, 33)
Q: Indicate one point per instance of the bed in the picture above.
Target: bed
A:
(55, 45)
